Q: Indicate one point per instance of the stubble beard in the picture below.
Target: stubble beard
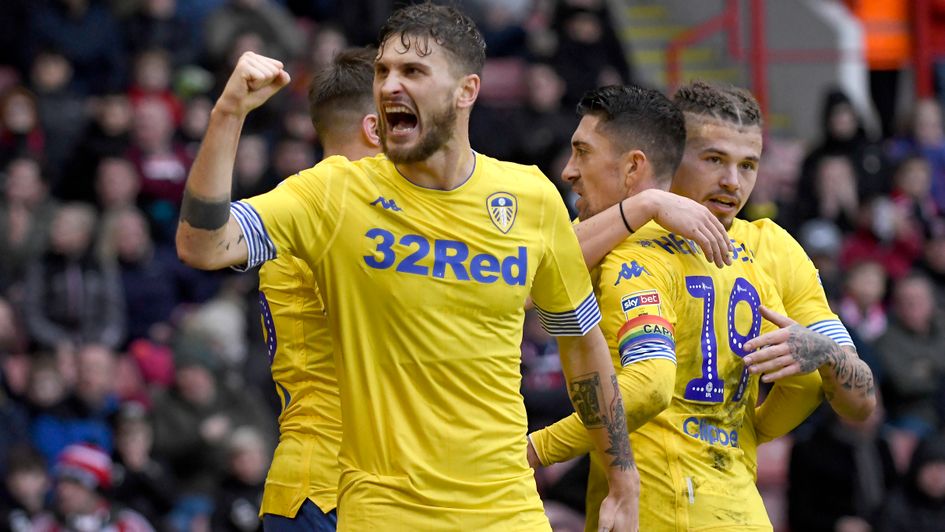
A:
(440, 128)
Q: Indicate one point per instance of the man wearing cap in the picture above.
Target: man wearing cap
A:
(83, 477)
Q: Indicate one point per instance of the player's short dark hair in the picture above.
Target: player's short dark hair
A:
(635, 117)
(341, 89)
(730, 104)
(447, 26)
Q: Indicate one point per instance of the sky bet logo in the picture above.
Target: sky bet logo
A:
(640, 299)
(448, 255)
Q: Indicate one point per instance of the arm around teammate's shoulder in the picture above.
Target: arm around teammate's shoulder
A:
(602, 232)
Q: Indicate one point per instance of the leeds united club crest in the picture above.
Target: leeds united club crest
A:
(502, 208)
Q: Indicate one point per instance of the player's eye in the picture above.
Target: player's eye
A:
(714, 159)
(748, 165)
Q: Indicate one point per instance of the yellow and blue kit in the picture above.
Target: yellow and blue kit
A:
(641, 340)
(305, 463)
(664, 304)
(425, 290)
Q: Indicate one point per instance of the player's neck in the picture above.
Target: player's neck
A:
(446, 169)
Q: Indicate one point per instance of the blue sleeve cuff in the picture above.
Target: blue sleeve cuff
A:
(834, 330)
(575, 322)
(258, 244)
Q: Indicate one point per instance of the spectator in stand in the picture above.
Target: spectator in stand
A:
(196, 117)
(238, 498)
(911, 194)
(108, 135)
(23, 494)
(919, 504)
(15, 423)
(821, 240)
(926, 136)
(61, 112)
(933, 265)
(156, 24)
(88, 34)
(589, 54)
(142, 483)
(840, 475)
(912, 352)
(550, 123)
(117, 184)
(72, 297)
(21, 133)
(162, 163)
(25, 217)
(251, 175)
(83, 476)
(834, 197)
(84, 415)
(843, 135)
(884, 234)
(861, 306)
(149, 273)
(151, 79)
(195, 418)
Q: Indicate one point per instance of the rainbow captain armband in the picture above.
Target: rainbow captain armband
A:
(645, 337)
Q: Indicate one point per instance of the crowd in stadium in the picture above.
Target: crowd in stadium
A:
(107, 339)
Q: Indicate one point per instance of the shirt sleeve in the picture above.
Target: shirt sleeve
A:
(299, 217)
(638, 296)
(646, 389)
(561, 290)
(787, 405)
(800, 287)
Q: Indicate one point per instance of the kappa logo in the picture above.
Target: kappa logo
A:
(386, 204)
(630, 271)
(502, 208)
(637, 300)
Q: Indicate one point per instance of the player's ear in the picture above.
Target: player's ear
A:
(635, 165)
(468, 91)
(369, 130)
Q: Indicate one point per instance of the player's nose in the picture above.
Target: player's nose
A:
(570, 172)
(728, 179)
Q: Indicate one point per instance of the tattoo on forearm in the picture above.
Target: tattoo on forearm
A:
(204, 214)
(617, 433)
(586, 394)
(812, 350)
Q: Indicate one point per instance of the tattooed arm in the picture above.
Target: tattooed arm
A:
(595, 394)
(208, 237)
(792, 350)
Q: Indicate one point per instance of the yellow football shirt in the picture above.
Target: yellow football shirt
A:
(662, 301)
(426, 290)
(305, 463)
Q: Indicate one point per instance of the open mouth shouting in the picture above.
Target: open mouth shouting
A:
(401, 121)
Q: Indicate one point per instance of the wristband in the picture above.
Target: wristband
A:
(624, 218)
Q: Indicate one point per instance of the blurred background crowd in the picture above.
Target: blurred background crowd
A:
(145, 383)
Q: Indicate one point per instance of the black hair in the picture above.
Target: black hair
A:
(640, 118)
(447, 26)
(342, 88)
